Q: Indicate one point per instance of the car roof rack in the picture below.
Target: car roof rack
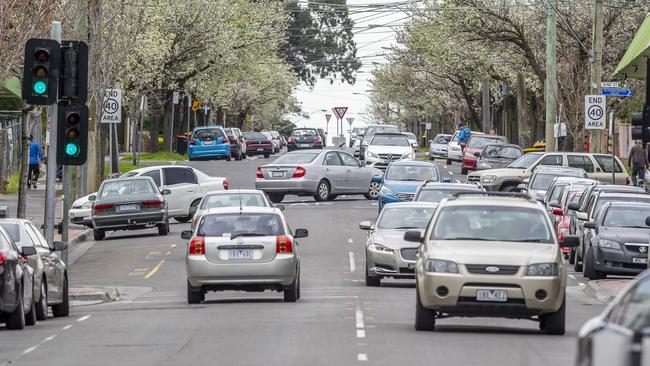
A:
(494, 194)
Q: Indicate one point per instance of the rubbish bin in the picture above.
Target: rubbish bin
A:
(181, 144)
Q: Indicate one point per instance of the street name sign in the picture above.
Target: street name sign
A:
(595, 112)
(609, 84)
(616, 92)
(112, 106)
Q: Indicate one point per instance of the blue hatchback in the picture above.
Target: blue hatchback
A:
(402, 179)
(208, 142)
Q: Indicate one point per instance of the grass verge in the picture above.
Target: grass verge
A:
(159, 156)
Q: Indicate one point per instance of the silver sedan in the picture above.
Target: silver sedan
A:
(243, 248)
(321, 174)
(230, 198)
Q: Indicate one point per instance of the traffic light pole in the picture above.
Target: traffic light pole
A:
(50, 183)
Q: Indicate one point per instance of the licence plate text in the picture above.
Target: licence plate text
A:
(129, 207)
(639, 260)
(492, 295)
(240, 254)
(277, 174)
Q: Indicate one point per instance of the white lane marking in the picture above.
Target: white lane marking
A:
(457, 181)
(361, 333)
(30, 349)
(350, 241)
(83, 318)
(362, 357)
(581, 284)
(67, 327)
(359, 318)
(446, 167)
(572, 276)
(50, 338)
(353, 265)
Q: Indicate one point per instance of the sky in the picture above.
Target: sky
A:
(371, 43)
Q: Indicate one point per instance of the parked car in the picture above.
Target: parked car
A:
(17, 307)
(250, 249)
(208, 142)
(370, 132)
(237, 145)
(454, 150)
(563, 215)
(323, 136)
(129, 204)
(496, 156)
(283, 141)
(403, 178)
(412, 139)
(490, 255)
(474, 147)
(304, 138)
(258, 143)
(387, 253)
(230, 198)
(50, 272)
(385, 148)
(556, 188)
(186, 184)
(597, 166)
(275, 142)
(436, 192)
(277, 137)
(438, 146)
(355, 134)
(544, 176)
(321, 174)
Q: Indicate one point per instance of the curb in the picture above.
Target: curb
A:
(81, 237)
(103, 294)
(605, 295)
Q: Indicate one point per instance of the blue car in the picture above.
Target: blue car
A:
(208, 142)
(402, 179)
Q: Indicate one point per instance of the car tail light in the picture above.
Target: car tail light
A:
(226, 184)
(283, 244)
(291, 140)
(318, 140)
(102, 207)
(192, 142)
(299, 172)
(197, 245)
(153, 204)
(234, 139)
(260, 175)
(3, 258)
(628, 181)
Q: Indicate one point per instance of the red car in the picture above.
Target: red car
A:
(563, 219)
(472, 149)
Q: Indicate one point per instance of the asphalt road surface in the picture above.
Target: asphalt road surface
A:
(338, 320)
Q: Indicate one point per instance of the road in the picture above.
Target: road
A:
(338, 321)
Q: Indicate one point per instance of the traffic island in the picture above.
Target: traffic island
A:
(94, 294)
(605, 290)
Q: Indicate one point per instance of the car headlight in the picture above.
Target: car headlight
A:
(380, 248)
(408, 155)
(542, 269)
(371, 154)
(384, 191)
(488, 178)
(483, 165)
(88, 204)
(440, 266)
(609, 244)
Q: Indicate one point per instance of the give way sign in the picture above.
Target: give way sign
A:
(340, 111)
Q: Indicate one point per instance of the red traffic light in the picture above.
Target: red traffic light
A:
(41, 55)
(72, 118)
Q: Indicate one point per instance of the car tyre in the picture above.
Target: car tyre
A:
(588, 266)
(266, 156)
(99, 234)
(510, 189)
(41, 305)
(192, 211)
(554, 323)
(194, 294)
(276, 197)
(572, 256)
(372, 281)
(464, 171)
(449, 162)
(292, 293)
(16, 319)
(163, 229)
(322, 191)
(373, 191)
(425, 319)
(30, 317)
(63, 309)
(578, 262)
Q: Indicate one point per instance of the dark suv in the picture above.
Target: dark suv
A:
(304, 138)
(237, 146)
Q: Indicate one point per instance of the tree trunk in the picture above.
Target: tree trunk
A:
(167, 121)
(24, 165)
(523, 127)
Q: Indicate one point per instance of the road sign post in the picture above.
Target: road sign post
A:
(350, 122)
(340, 113)
(112, 113)
(171, 127)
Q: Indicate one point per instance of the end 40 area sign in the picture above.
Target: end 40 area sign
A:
(595, 112)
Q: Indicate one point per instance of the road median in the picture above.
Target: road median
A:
(605, 290)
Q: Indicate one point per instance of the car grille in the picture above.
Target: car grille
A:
(641, 248)
(409, 254)
(390, 157)
(473, 178)
(405, 196)
(483, 269)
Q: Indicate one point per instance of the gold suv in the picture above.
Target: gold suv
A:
(490, 255)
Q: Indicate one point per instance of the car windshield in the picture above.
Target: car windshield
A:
(231, 224)
(405, 218)
(383, 129)
(126, 187)
(383, 140)
(441, 139)
(496, 152)
(574, 197)
(485, 223)
(542, 180)
(13, 229)
(525, 161)
(557, 190)
(603, 200)
(233, 199)
(479, 142)
(297, 158)
(304, 133)
(411, 173)
(437, 195)
(409, 135)
(255, 136)
(627, 217)
(207, 134)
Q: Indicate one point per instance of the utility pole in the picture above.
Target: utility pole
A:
(551, 74)
(50, 183)
(597, 138)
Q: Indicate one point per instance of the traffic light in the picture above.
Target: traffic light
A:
(72, 135)
(41, 71)
(641, 125)
(73, 78)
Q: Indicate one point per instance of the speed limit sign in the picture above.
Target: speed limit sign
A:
(595, 112)
(112, 111)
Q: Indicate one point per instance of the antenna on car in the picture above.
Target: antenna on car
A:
(241, 208)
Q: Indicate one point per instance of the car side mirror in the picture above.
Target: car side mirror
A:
(582, 216)
(647, 220)
(280, 207)
(522, 187)
(27, 251)
(365, 225)
(378, 178)
(554, 203)
(362, 163)
(301, 233)
(92, 197)
(573, 206)
(186, 234)
(570, 241)
(59, 246)
(165, 192)
(477, 154)
(414, 236)
(557, 212)
(590, 225)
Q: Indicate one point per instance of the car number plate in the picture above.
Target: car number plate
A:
(260, 149)
(492, 295)
(211, 142)
(240, 254)
(639, 260)
(304, 145)
(129, 207)
(277, 174)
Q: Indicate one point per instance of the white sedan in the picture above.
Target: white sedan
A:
(231, 198)
(187, 186)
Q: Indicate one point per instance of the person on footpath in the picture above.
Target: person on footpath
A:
(35, 159)
(638, 161)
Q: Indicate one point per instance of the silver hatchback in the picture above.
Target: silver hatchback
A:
(243, 248)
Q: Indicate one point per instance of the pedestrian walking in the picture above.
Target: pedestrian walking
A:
(638, 161)
(35, 159)
(463, 136)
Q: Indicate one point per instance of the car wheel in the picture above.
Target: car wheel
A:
(190, 158)
(63, 309)
(373, 191)
(372, 281)
(449, 162)
(322, 191)
(425, 319)
(572, 256)
(510, 189)
(30, 317)
(463, 171)
(243, 155)
(267, 156)
(41, 305)
(276, 197)
(554, 323)
(238, 156)
(228, 157)
(578, 262)
(332, 197)
(292, 293)
(194, 294)
(99, 234)
(16, 319)
(163, 229)
(588, 266)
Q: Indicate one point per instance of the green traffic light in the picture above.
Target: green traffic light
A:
(39, 87)
(71, 149)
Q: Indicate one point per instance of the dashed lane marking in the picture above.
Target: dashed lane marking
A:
(353, 265)
(359, 318)
(67, 327)
(361, 333)
(85, 317)
(572, 276)
(362, 357)
(581, 284)
(350, 241)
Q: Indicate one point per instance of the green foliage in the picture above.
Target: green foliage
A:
(160, 156)
(12, 184)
